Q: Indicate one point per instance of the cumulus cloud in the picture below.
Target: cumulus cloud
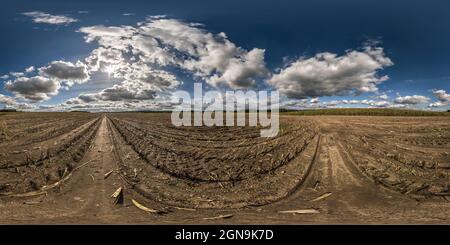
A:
(314, 100)
(241, 72)
(370, 103)
(411, 100)
(86, 98)
(35, 88)
(212, 57)
(382, 96)
(142, 61)
(106, 60)
(160, 102)
(122, 93)
(17, 74)
(6, 100)
(29, 69)
(117, 37)
(139, 55)
(316, 103)
(48, 82)
(126, 91)
(11, 103)
(169, 42)
(442, 96)
(41, 17)
(436, 104)
(327, 74)
(66, 71)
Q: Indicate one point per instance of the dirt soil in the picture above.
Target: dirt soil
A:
(338, 169)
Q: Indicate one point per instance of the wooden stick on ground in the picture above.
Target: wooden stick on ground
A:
(225, 216)
(144, 208)
(323, 196)
(118, 196)
(299, 211)
(108, 174)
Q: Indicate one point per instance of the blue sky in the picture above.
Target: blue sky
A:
(413, 35)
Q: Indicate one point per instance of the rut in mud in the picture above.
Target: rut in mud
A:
(347, 169)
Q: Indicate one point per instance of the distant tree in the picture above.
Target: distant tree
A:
(8, 110)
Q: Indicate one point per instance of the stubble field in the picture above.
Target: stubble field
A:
(139, 168)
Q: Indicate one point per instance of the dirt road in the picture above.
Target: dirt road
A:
(333, 186)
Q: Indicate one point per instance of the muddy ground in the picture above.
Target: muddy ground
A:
(339, 169)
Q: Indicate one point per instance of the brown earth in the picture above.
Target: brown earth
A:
(347, 169)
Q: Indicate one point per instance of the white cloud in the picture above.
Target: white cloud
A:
(48, 82)
(436, 104)
(11, 103)
(314, 100)
(41, 17)
(139, 55)
(117, 37)
(145, 75)
(169, 42)
(327, 74)
(411, 100)
(137, 85)
(442, 96)
(160, 102)
(158, 16)
(372, 103)
(66, 71)
(35, 88)
(212, 57)
(7, 100)
(126, 92)
(397, 106)
(241, 72)
(29, 69)
(382, 96)
(316, 103)
(105, 60)
(142, 58)
(17, 74)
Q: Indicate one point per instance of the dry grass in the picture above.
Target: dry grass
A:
(4, 132)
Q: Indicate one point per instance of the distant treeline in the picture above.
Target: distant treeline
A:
(8, 110)
(348, 112)
(311, 112)
(367, 112)
(80, 111)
